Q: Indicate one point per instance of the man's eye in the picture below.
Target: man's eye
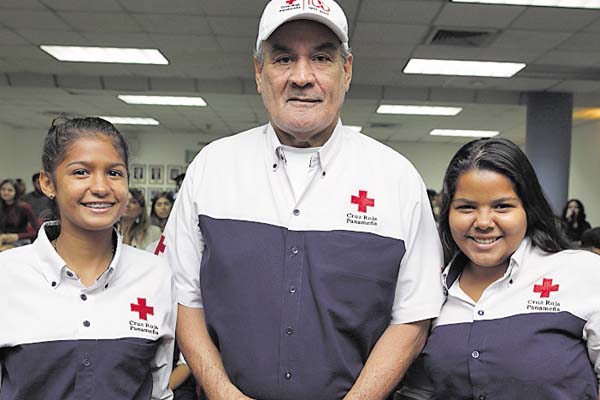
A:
(322, 58)
(283, 60)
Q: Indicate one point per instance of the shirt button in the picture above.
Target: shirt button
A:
(292, 289)
(86, 363)
(86, 323)
(475, 354)
(296, 212)
(480, 312)
(69, 274)
(482, 397)
(106, 286)
(288, 375)
(289, 331)
(295, 250)
(53, 284)
(83, 297)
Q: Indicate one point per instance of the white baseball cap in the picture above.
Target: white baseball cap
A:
(326, 12)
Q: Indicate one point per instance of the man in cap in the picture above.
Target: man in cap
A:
(305, 254)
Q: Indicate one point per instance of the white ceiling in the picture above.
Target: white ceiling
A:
(209, 45)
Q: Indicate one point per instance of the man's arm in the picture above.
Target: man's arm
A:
(202, 356)
(393, 353)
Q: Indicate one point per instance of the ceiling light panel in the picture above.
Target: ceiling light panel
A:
(463, 133)
(163, 100)
(418, 110)
(106, 55)
(462, 68)
(540, 3)
(131, 120)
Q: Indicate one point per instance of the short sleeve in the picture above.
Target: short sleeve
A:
(419, 292)
(182, 242)
(592, 336)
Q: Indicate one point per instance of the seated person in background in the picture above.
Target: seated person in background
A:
(18, 225)
(135, 225)
(161, 208)
(40, 204)
(522, 316)
(182, 382)
(573, 216)
(590, 240)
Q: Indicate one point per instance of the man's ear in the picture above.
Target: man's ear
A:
(257, 74)
(47, 185)
(348, 71)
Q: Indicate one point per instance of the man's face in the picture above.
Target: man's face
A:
(303, 81)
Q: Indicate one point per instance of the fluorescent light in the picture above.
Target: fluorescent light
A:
(462, 68)
(354, 127)
(587, 113)
(106, 54)
(131, 120)
(462, 132)
(418, 110)
(540, 3)
(163, 100)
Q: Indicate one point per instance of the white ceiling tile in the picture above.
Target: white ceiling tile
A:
(228, 26)
(578, 86)
(370, 32)
(55, 37)
(118, 39)
(183, 7)
(412, 12)
(100, 22)
(570, 59)
(526, 39)
(9, 38)
(26, 19)
(185, 44)
(594, 26)
(477, 53)
(22, 4)
(173, 24)
(247, 8)
(394, 50)
(583, 42)
(78, 5)
(477, 15)
(237, 44)
(554, 19)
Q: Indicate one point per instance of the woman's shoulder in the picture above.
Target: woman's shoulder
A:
(143, 260)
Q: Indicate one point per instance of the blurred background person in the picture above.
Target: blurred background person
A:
(40, 204)
(18, 225)
(21, 187)
(135, 225)
(573, 216)
(161, 208)
(590, 240)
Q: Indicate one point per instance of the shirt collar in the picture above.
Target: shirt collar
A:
(325, 155)
(456, 265)
(51, 264)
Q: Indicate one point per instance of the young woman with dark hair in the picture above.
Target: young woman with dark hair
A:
(573, 216)
(84, 316)
(522, 315)
(18, 225)
(162, 204)
(135, 225)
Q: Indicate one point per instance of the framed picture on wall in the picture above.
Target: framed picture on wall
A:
(138, 174)
(156, 174)
(172, 172)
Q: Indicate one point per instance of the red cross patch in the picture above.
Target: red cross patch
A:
(545, 288)
(142, 308)
(363, 201)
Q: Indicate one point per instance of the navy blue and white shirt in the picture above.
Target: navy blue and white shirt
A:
(298, 287)
(60, 340)
(534, 334)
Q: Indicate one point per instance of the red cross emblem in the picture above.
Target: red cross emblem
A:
(142, 308)
(545, 288)
(290, 2)
(160, 247)
(363, 201)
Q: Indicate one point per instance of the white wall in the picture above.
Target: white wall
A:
(20, 157)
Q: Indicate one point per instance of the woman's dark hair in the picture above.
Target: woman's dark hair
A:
(141, 223)
(166, 195)
(65, 131)
(506, 158)
(14, 185)
(580, 217)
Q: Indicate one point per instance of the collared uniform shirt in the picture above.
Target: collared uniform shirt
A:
(297, 289)
(62, 341)
(534, 334)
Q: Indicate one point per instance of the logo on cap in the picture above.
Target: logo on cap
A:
(290, 2)
(320, 4)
